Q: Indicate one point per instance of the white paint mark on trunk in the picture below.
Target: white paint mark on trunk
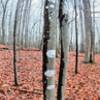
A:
(52, 6)
(50, 73)
(51, 53)
(51, 87)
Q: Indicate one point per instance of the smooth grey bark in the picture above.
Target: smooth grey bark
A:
(49, 49)
(23, 24)
(58, 47)
(20, 23)
(93, 34)
(50, 92)
(64, 51)
(90, 36)
(71, 38)
(81, 24)
(27, 22)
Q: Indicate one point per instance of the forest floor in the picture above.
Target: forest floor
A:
(83, 86)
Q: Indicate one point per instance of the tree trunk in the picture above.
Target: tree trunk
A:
(64, 51)
(49, 49)
(90, 36)
(14, 46)
(82, 31)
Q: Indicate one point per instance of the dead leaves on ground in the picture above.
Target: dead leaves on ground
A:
(83, 86)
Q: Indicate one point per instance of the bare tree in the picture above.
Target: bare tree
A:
(63, 15)
(49, 49)
(90, 36)
(82, 27)
(76, 31)
(14, 45)
(28, 6)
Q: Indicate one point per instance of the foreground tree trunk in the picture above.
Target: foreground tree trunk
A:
(82, 28)
(64, 51)
(76, 32)
(90, 36)
(49, 49)
(14, 45)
